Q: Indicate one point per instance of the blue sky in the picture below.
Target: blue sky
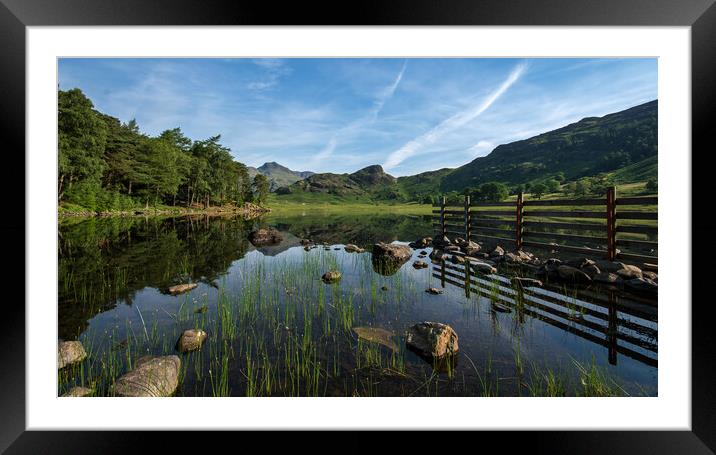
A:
(339, 115)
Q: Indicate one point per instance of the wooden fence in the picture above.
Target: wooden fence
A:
(625, 326)
(609, 227)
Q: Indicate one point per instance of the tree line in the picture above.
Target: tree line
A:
(105, 164)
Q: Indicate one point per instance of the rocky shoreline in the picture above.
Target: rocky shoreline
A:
(247, 210)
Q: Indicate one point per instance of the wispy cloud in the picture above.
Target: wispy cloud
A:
(383, 97)
(274, 69)
(417, 145)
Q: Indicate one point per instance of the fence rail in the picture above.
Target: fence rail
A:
(626, 328)
(602, 226)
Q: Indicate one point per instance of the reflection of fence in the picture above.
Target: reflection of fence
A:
(627, 327)
(611, 227)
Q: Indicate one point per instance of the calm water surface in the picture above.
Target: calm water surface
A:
(276, 329)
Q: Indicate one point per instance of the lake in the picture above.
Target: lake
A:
(276, 329)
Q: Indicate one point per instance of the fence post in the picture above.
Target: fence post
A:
(518, 220)
(467, 277)
(442, 216)
(467, 218)
(611, 223)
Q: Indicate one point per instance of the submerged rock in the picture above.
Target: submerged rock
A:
(573, 274)
(261, 237)
(432, 339)
(191, 340)
(607, 278)
(331, 277)
(182, 288)
(642, 285)
(377, 335)
(591, 270)
(69, 352)
(78, 392)
(151, 377)
(483, 267)
(441, 241)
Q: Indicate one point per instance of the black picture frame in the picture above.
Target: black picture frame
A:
(700, 15)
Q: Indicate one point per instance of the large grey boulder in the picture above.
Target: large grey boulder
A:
(191, 340)
(151, 377)
(69, 352)
(389, 257)
(432, 339)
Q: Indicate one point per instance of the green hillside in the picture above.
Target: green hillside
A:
(589, 147)
(617, 148)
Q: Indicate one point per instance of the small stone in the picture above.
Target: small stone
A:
(434, 291)
(182, 288)
(70, 352)
(432, 339)
(384, 288)
(191, 340)
(331, 277)
(498, 251)
(642, 285)
(455, 259)
(607, 278)
(78, 392)
(419, 265)
(650, 275)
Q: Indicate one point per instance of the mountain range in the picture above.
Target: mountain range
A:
(278, 175)
(623, 144)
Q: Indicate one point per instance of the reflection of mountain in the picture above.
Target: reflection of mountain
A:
(102, 261)
(362, 230)
(289, 241)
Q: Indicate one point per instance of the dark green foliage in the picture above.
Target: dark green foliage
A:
(652, 186)
(82, 136)
(107, 165)
(490, 192)
(261, 188)
(538, 190)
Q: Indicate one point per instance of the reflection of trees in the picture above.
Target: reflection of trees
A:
(102, 261)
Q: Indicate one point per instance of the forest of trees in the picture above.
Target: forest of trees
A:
(105, 164)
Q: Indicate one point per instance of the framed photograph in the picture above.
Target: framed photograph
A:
(411, 218)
